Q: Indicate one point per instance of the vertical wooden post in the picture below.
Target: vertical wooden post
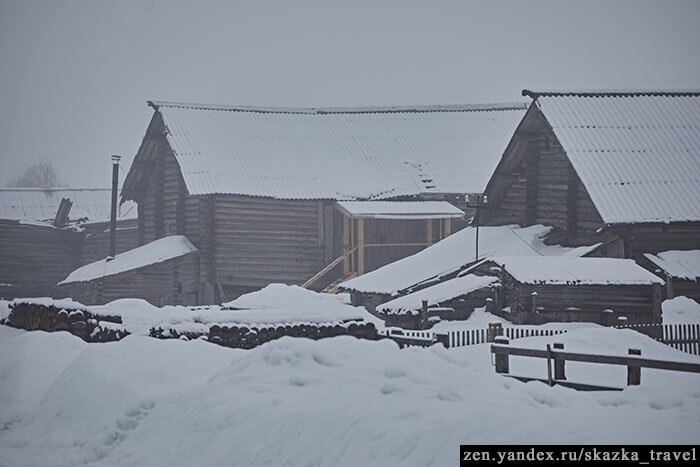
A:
(346, 245)
(429, 231)
(549, 365)
(502, 359)
(634, 372)
(424, 315)
(559, 364)
(656, 302)
(448, 227)
(360, 246)
(533, 302)
(669, 286)
(353, 261)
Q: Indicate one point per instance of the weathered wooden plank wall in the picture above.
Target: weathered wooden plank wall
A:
(96, 240)
(34, 258)
(263, 240)
(172, 282)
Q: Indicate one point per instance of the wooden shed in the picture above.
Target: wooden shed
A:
(40, 246)
(453, 299)
(257, 190)
(680, 270)
(162, 272)
(622, 168)
(541, 289)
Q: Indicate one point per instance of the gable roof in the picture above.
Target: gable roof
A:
(636, 152)
(35, 204)
(335, 153)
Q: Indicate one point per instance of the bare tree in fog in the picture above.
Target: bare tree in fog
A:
(40, 174)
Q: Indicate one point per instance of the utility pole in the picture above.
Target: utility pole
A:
(477, 202)
(113, 218)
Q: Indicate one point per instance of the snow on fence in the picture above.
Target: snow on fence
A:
(683, 337)
(556, 358)
(462, 337)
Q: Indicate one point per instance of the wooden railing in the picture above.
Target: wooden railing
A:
(328, 268)
(557, 357)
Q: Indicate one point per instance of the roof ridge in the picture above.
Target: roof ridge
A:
(611, 93)
(52, 189)
(343, 110)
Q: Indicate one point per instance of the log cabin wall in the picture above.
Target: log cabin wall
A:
(262, 240)
(35, 258)
(96, 240)
(653, 238)
(172, 282)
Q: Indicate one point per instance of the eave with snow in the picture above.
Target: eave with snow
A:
(679, 268)
(281, 195)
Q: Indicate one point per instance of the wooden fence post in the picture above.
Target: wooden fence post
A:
(634, 372)
(502, 359)
(424, 315)
(549, 365)
(559, 364)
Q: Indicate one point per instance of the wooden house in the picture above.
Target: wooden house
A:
(293, 195)
(539, 289)
(162, 272)
(618, 167)
(40, 246)
(680, 270)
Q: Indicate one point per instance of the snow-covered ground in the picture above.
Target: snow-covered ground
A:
(680, 310)
(338, 401)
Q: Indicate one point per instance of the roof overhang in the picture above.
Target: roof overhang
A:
(399, 210)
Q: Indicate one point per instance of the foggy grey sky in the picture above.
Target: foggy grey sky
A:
(75, 74)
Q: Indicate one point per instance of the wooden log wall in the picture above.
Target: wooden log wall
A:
(172, 282)
(34, 258)
(262, 240)
(654, 238)
(96, 239)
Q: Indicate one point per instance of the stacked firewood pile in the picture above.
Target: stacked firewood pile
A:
(101, 328)
(79, 322)
(244, 337)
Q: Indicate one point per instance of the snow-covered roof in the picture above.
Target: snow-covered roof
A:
(576, 271)
(35, 204)
(154, 252)
(437, 293)
(338, 153)
(457, 251)
(636, 152)
(677, 263)
(401, 209)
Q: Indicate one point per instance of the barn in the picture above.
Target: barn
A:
(310, 195)
(41, 244)
(622, 168)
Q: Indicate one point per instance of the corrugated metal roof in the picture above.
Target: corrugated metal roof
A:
(681, 264)
(637, 153)
(338, 153)
(401, 209)
(34, 204)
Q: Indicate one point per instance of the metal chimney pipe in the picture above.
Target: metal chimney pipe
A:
(113, 218)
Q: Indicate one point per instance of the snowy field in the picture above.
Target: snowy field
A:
(338, 401)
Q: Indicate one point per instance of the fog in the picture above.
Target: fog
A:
(75, 74)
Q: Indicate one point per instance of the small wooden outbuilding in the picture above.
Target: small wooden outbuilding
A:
(541, 289)
(680, 270)
(162, 272)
